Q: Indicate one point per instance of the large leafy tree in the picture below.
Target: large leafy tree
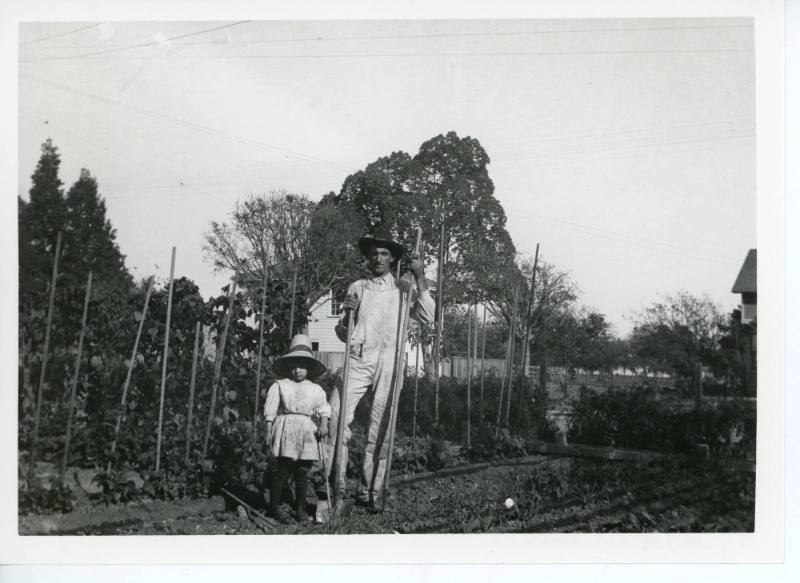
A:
(289, 234)
(445, 184)
(680, 333)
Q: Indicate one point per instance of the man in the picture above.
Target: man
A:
(376, 302)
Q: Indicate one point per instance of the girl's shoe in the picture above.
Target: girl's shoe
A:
(281, 515)
(302, 515)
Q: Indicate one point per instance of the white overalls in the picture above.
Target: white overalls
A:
(372, 362)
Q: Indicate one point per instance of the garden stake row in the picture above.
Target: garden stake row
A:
(131, 364)
(65, 460)
(37, 415)
(260, 349)
(164, 363)
(218, 362)
(191, 393)
(399, 374)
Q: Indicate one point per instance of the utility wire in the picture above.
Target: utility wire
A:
(451, 35)
(30, 42)
(189, 124)
(616, 235)
(404, 55)
(147, 44)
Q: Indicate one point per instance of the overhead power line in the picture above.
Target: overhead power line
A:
(406, 55)
(457, 35)
(147, 44)
(189, 124)
(617, 236)
(36, 40)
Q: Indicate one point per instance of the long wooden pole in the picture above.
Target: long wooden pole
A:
(75, 378)
(38, 413)
(131, 364)
(529, 315)
(416, 390)
(469, 372)
(291, 315)
(260, 352)
(218, 363)
(508, 363)
(164, 361)
(191, 393)
(439, 325)
(483, 361)
(513, 354)
(340, 427)
(399, 374)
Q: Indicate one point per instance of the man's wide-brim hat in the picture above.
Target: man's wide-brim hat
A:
(380, 238)
(299, 350)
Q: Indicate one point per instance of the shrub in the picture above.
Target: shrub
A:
(636, 419)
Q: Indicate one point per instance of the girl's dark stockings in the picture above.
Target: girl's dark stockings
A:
(285, 466)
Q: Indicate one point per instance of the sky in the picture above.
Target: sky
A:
(625, 148)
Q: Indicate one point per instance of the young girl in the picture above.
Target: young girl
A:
(292, 405)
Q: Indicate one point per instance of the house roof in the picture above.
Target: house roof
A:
(746, 280)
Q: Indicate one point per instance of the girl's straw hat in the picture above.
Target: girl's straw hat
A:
(300, 349)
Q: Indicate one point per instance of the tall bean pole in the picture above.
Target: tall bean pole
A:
(469, 372)
(131, 364)
(513, 354)
(399, 372)
(192, 380)
(164, 361)
(439, 325)
(260, 350)
(42, 371)
(291, 314)
(483, 361)
(338, 469)
(416, 390)
(76, 376)
(529, 314)
(218, 363)
(503, 383)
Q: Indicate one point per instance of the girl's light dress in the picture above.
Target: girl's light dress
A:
(291, 406)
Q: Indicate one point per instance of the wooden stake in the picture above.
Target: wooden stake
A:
(416, 389)
(291, 315)
(260, 352)
(218, 363)
(529, 315)
(399, 373)
(191, 393)
(469, 371)
(503, 379)
(439, 325)
(164, 360)
(131, 364)
(511, 361)
(65, 460)
(483, 362)
(340, 426)
(43, 370)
